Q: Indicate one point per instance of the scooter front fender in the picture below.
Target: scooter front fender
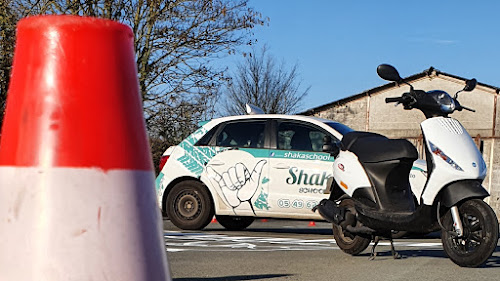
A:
(460, 190)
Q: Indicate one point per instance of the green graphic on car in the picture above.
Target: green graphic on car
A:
(261, 202)
(196, 157)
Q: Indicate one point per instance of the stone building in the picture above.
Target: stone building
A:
(368, 111)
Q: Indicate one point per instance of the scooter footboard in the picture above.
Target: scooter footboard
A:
(460, 190)
(421, 221)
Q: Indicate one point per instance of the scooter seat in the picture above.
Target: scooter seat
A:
(374, 148)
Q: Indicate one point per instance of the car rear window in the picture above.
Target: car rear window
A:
(341, 128)
(205, 140)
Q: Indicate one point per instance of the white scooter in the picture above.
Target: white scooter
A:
(371, 195)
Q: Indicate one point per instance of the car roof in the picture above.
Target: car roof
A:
(272, 116)
(324, 123)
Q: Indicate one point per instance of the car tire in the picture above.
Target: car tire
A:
(190, 205)
(235, 222)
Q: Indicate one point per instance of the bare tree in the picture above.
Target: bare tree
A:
(7, 37)
(260, 81)
(176, 43)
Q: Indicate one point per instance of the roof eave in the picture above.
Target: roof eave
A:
(427, 72)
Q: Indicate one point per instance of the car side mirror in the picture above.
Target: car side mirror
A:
(330, 147)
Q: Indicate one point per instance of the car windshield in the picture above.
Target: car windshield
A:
(341, 128)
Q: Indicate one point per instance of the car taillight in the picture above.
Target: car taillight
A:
(163, 160)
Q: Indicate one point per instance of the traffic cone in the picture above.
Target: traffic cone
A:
(214, 220)
(312, 223)
(77, 198)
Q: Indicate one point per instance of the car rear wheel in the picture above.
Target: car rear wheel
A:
(235, 222)
(189, 205)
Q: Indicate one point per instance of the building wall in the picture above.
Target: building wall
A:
(494, 176)
(352, 114)
(371, 113)
(497, 117)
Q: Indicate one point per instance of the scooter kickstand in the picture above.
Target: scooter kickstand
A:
(375, 242)
(395, 254)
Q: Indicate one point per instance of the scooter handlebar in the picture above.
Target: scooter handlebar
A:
(469, 109)
(389, 100)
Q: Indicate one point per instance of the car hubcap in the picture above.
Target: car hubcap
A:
(188, 206)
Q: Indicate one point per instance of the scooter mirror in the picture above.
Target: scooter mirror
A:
(388, 72)
(470, 85)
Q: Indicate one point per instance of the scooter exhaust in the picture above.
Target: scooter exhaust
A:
(360, 229)
(333, 213)
(330, 211)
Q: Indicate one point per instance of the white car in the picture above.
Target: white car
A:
(242, 167)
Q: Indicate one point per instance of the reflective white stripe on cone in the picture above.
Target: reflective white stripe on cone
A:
(97, 231)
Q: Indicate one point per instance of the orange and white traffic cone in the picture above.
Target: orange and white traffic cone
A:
(77, 198)
(312, 223)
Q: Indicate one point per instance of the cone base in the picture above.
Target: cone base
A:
(79, 224)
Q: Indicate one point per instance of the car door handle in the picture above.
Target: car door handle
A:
(216, 163)
(281, 166)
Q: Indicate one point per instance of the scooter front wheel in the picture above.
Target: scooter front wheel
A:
(480, 236)
(348, 242)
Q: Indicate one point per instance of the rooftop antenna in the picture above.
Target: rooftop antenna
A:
(252, 109)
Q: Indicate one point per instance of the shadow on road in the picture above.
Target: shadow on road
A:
(492, 262)
(234, 278)
(405, 254)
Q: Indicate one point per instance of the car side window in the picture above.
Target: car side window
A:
(248, 134)
(296, 136)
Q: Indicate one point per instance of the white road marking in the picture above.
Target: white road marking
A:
(181, 242)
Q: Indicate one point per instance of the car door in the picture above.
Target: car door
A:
(239, 172)
(299, 169)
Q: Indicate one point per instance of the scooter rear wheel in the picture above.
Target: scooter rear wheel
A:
(480, 234)
(348, 242)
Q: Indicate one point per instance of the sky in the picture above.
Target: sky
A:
(339, 44)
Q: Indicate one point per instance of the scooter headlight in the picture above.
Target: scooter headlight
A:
(445, 101)
(440, 153)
